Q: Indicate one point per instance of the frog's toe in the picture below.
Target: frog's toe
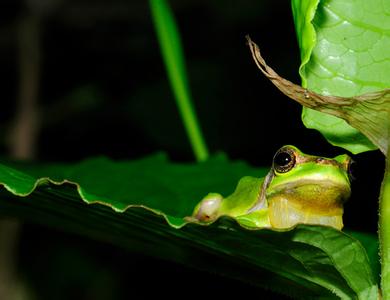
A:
(209, 207)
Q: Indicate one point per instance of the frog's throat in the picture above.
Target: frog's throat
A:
(284, 214)
(261, 200)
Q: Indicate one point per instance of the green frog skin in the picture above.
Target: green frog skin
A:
(299, 188)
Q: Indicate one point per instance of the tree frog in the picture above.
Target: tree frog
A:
(299, 188)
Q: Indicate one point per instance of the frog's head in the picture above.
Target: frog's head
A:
(307, 189)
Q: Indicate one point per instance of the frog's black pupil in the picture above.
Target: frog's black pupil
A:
(283, 159)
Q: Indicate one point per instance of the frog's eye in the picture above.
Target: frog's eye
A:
(284, 160)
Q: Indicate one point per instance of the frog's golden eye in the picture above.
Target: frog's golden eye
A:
(284, 160)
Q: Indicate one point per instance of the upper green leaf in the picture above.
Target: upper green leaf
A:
(344, 51)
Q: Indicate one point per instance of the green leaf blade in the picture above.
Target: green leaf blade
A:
(172, 52)
(349, 56)
(303, 13)
(141, 205)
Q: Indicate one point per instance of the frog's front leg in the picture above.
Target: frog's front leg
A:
(208, 208)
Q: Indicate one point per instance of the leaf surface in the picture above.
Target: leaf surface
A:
(141, 205)
(344, 52)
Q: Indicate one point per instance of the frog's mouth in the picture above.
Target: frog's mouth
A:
(313, 192)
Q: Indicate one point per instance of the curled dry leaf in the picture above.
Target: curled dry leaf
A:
(369, 113)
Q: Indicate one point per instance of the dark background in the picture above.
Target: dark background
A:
(103, 90)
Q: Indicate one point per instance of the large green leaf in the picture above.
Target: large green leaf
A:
(344, 52)
(141, 205)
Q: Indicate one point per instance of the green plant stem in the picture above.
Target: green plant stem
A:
(384, 230)
(170, 44)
